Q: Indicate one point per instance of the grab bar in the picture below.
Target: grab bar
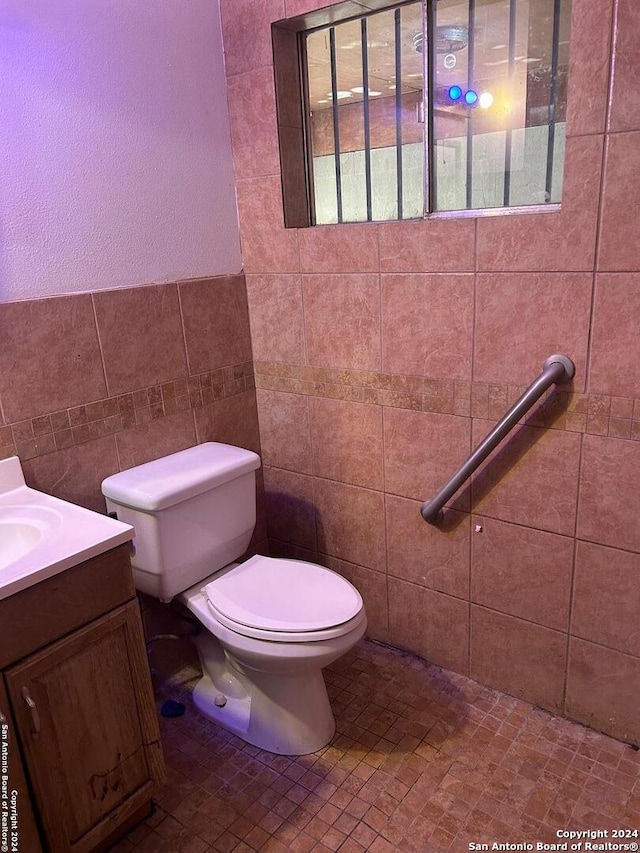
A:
(557, 369)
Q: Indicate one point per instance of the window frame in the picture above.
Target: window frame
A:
(291, 95)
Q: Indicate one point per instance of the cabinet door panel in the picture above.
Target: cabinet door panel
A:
(86, 717)
(26, 831)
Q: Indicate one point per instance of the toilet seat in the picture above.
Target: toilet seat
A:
(284, 601)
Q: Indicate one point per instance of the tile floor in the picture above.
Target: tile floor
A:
(422, 760)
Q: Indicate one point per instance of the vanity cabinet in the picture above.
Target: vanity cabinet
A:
(21, 830)
(82, 705)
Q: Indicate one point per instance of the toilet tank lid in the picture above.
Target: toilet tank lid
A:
(167, 481)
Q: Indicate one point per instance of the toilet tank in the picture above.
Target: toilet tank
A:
(193, 512)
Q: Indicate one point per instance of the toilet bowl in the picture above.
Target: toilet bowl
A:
(263, 681)
(268, 626)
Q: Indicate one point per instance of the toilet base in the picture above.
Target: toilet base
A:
(288, 715)
(303, 726)
(233, 716)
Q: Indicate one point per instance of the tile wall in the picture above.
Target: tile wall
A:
(94, 383)
(385, 351)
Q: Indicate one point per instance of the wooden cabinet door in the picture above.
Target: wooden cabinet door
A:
(18, 829)
(87, 721)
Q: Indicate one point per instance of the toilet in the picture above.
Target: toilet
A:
(268, 626)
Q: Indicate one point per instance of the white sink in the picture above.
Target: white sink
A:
(22, 529)
(41, 535)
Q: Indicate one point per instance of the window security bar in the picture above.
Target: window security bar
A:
(557, 370)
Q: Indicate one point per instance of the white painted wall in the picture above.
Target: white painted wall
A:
(115, 154)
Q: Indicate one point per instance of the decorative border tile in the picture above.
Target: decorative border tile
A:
(69, 427)
(596, 414)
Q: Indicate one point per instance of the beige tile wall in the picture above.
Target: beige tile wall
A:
(95, 383)
(383, 351)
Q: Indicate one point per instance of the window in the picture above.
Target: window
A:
(373, 127)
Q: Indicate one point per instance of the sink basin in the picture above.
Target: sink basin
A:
(22, 529)
(41, 535)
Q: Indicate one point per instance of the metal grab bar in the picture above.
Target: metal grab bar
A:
(557, 369)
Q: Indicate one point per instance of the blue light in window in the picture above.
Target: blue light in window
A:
(471, 97)
(455, 93)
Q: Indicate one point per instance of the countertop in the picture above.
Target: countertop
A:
(41, 536)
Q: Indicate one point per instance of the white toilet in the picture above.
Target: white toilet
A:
(269, 625)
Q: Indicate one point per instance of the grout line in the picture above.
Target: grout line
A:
(469, 573)
(573, 571)
(601, 188)
(411, 271)
(380, 311)
(388, 603)
(199, 440)
(594, 275)
(298, 252)
(102, 360)
(572, 591)
(385, 522)
(304, 321)
(249, 324)
(316, 516)
(474, 313)
(613, 58)
(384, 470)
(577, 487)
(118, 456)
(592, 317)
(182, 328)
